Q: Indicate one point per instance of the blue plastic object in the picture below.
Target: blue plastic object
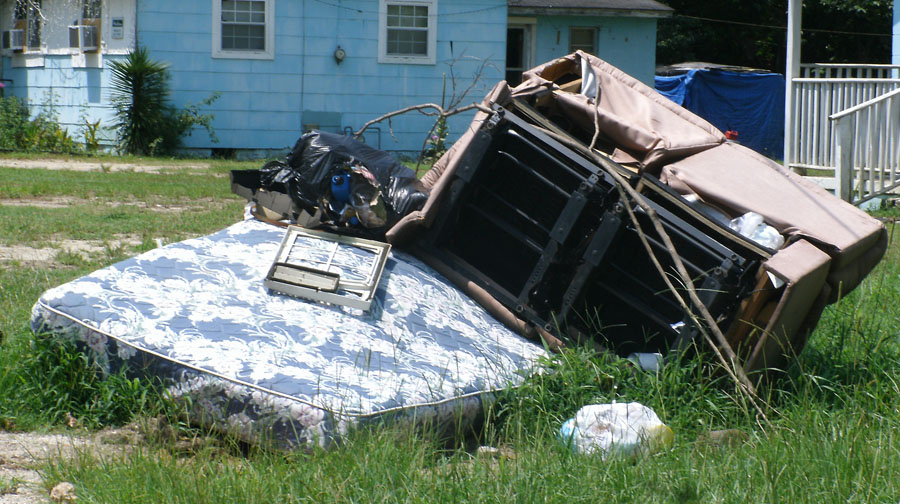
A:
(566, 433)
(340, 188)
(750, 103)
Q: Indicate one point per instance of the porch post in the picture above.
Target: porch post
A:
(792, 70)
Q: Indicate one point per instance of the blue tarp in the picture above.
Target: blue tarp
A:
(750, 103)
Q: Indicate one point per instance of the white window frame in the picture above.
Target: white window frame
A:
(218, 52)
(529, 46)
(428, 59)
(593, 30)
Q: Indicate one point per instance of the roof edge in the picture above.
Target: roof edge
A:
(572, 11)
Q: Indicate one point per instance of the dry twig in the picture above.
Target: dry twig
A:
(439, 111)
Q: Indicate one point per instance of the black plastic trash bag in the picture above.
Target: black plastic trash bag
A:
(349, 186)
(318, 156)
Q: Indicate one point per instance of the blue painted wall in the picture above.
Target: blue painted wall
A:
(71, 95)
(264, 104)
(71, 86)
(263, 101)
(628, 43)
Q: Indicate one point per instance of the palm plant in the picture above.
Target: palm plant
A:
(140, 88)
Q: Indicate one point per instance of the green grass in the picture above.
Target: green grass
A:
(9, 485)
(834, 434)
(108, 205)
(115, 159)
(32, 226)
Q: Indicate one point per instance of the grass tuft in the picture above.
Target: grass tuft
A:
(57, 383)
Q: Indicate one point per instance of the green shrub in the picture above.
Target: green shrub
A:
(13, 120)
(90, 132)
(42, 133)
(145, 120)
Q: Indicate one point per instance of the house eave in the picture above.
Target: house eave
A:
(574, 11)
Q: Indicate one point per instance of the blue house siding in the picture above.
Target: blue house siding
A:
(71, 95)
(250, 113)
(265, 104)
(626, 42)
(262, 102)
(361, 88)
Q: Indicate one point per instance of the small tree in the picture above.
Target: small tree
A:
(140, 99)
(145, 120)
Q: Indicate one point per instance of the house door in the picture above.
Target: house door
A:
(519, 49)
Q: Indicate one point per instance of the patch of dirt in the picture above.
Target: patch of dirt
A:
(44, 202)
(85, 166)
(67, 201)
(22, 452)
(46, 256)
(27, 255)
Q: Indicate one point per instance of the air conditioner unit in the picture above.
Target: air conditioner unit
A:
(14, 39)
(83, 37)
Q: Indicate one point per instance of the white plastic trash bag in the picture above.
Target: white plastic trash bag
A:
(752, 226)
(625, 428)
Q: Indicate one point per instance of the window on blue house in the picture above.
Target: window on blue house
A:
(243, 29)
(584, 38)
(407, 31)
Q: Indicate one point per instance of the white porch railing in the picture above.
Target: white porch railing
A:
(867, 148)
(822, 91)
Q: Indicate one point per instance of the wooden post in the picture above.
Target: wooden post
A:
(894, 137)
(843, 146)
(792, 71)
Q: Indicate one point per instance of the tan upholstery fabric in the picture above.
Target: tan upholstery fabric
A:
(638, 120)
(438, 178)
(739, 180)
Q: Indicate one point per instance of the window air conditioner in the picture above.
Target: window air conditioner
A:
(83, 37)
(14, 39)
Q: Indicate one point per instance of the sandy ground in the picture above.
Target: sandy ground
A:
(63, 164)
(46, 256)
(22, 452)
(67, 201)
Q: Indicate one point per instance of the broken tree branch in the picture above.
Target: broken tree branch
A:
(421, 108)
(457, 98)
(722, 350)
(732, 367)
(425, 145)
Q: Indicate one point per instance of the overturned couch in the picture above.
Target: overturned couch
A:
(525, 215)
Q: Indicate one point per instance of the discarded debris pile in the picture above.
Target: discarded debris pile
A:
(585, 204)
(579, 205)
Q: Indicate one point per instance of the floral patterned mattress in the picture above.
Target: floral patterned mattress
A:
(269, 367)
